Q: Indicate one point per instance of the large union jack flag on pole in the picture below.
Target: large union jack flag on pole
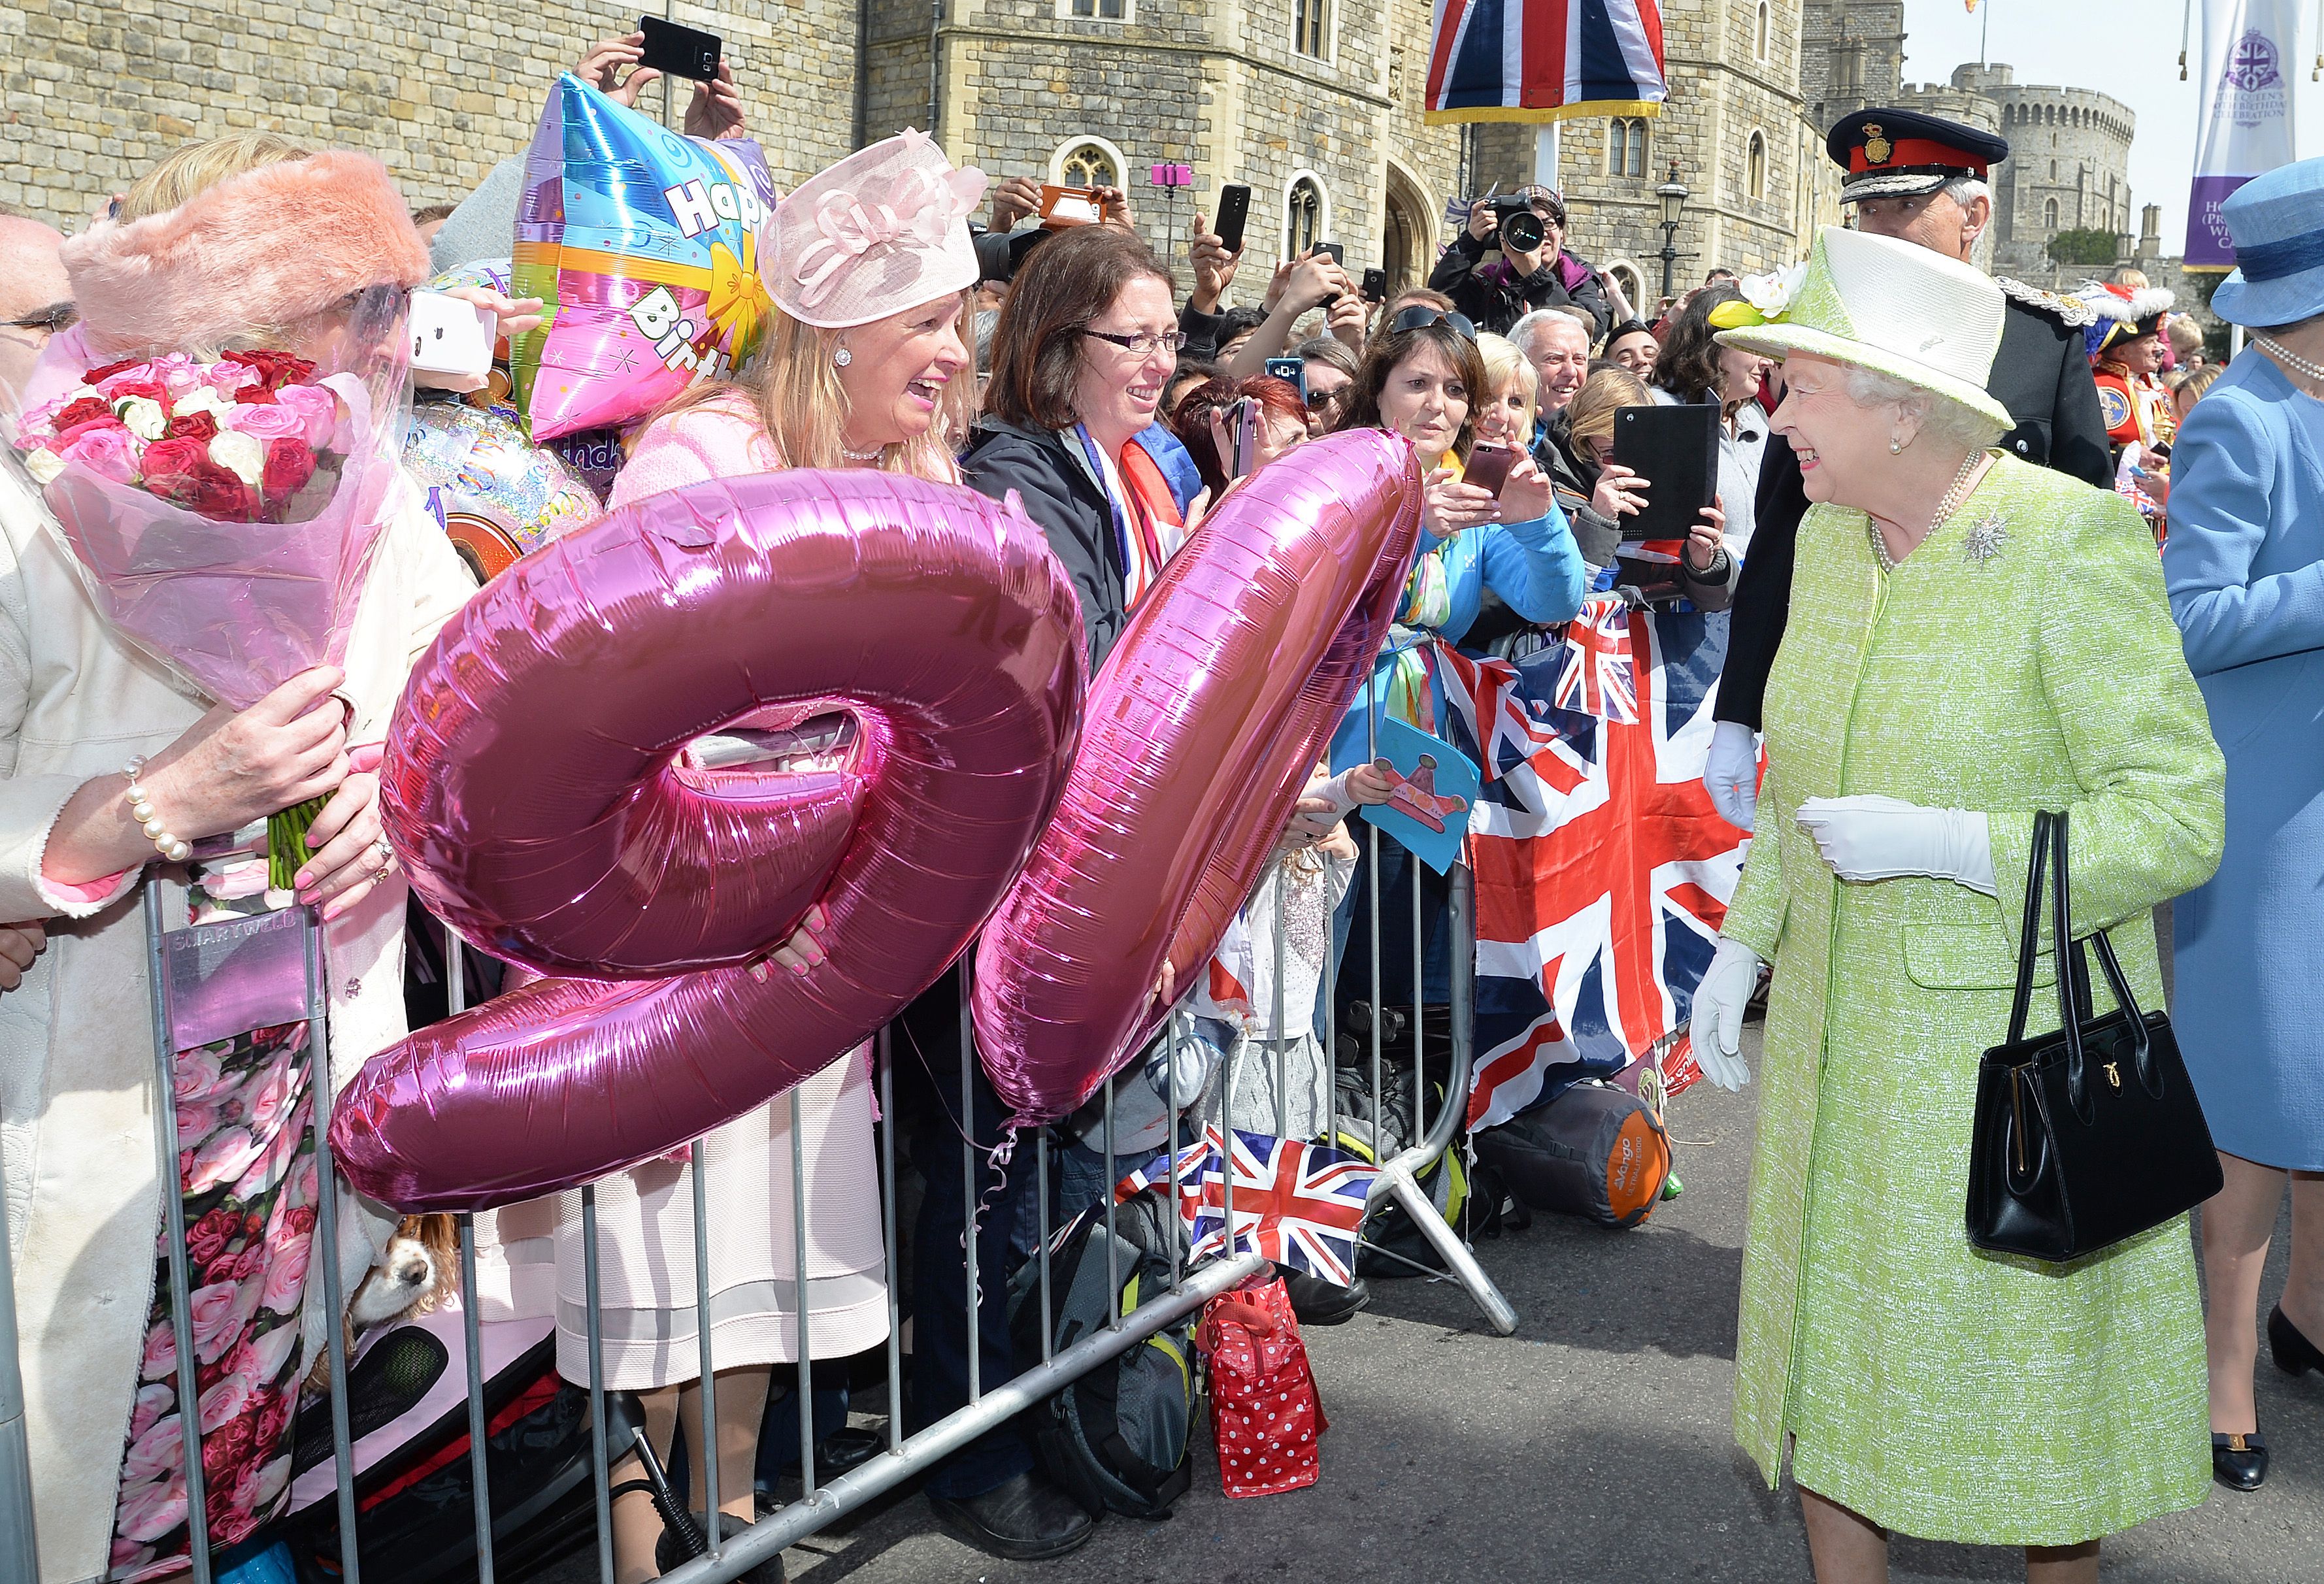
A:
(1603, 870)
(1298, 1204)
(1544, 60)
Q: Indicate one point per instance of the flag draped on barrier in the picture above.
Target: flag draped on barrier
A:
(1603, 870)
(1544, 60)
(1298, 1204)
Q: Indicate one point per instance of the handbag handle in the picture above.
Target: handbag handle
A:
(2074, 1007)
(2029, 935)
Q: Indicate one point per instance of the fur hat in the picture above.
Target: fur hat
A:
(269, 247)
(2123, 312)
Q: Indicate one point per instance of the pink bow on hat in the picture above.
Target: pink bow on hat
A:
(923, 210)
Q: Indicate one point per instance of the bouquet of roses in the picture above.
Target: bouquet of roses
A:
(223, 514)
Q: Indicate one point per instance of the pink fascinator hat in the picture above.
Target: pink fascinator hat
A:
(882, 231)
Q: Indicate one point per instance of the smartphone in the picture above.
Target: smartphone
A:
(1242, 436)
(1375, 286)
(681, 51)
(451, 336)
(1234, 208)
(1489, 466)
(1334, 251)
(1065, 207)
(1291, 371)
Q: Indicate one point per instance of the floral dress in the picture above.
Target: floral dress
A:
(246, 1169)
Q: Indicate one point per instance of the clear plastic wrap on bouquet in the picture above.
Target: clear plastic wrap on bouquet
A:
(247, 566)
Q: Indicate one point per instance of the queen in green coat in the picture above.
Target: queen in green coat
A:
(1971, 639)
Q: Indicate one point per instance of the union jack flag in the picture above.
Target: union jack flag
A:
(1544, 60)
(1603, 870)
(1297, 1203)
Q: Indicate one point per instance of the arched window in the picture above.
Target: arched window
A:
(1088, 163)
(1754, 174)
(1625, 146)
(2049, 215)
(1633, 288)
(1760, 33)
(1307, 23)
(1303, 216)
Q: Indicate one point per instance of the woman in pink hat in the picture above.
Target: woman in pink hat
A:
(866, 365)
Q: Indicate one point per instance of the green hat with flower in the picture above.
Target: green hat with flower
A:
(1877, 303)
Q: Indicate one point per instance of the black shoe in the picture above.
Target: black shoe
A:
(846, 1449)
(670, 1552)
(2239, 1462)
(2293, 1353)
(1317, 1301)
(1026, 1520)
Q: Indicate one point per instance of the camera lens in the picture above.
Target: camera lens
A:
(1524, 231)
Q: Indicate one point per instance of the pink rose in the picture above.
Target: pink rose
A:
(200, 1073)
(302, 1186)
(265, 1355)
(154, 1455)
(151, 1511)
(316, 408)
(137, 374)
(286, 1277)
(197, 1120)
(128, 1557)
(277, 422)
(218, 1318)
(223, 1158)
(227, 1400)
(226, 378)
(152, 1402)
(160, 1359)
(108, 451)
(276, 1092)
(267, 1170)
(262, 1485)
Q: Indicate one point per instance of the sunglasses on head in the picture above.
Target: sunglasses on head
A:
(1420, 313)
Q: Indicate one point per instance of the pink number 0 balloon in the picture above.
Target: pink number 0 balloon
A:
(531, 790)
(1200, 732)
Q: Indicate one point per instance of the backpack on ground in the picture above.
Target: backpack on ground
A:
(1596, 1151)
(1115, 1440)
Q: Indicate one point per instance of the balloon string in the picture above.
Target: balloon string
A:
(998, 1157)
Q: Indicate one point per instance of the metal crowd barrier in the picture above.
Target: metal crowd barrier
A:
(905, 1456)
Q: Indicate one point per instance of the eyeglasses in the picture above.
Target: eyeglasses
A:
(49, 321)
(1420, 315)
(1317, 401)
(1143, 342)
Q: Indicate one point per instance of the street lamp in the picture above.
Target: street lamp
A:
(1674, 196)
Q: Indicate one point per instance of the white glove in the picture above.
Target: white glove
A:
(1876, 838)
(1731, 774)
(1716, 1027)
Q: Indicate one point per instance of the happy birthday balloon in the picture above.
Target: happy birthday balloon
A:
(644, 247)
(1200, 734)
(495, 493)
(535, 787)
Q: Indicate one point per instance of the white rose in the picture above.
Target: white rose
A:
(81, 391)
(43, 465)
(144, 416)
(202, 399)
(242, 455)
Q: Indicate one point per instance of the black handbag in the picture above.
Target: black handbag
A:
(2090, 1135)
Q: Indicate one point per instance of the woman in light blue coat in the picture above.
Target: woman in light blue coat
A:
(2245, 565)
(1424, 379)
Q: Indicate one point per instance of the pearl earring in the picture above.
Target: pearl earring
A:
(840, 358)
(1896, 446)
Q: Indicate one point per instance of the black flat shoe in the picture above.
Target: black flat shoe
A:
(2239, 1462)
(1317, 1301)
(2293, 1353)
(1026, 1520)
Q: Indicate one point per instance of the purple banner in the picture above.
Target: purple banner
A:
(2207, 244)
(238, 974)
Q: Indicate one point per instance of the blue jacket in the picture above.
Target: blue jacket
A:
(1532, 566)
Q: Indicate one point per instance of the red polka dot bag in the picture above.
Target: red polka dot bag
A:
(1264, 1412)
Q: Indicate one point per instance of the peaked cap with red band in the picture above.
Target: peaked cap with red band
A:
(1902, 153)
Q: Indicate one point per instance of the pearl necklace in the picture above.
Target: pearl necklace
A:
(874, 454)
(2288, 358)
(1950, 504)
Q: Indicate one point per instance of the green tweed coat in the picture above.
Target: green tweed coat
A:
(2022, 658)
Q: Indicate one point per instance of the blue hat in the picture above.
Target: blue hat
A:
(2277, 223)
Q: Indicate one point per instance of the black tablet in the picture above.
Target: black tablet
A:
(1675, 449)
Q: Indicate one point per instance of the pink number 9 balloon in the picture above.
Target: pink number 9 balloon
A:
(1200, 732)
(533, 787)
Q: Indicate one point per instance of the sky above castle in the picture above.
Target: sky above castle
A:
(2125, 48)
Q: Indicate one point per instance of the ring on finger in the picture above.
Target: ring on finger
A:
(382, 850)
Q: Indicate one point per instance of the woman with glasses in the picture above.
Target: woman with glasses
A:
(1327, 371)
(1424, 379)
(35, 299)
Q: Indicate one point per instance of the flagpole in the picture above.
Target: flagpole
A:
(1983, 36)
(2186, 23)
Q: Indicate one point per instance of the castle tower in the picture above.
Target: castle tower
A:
(1851, 55)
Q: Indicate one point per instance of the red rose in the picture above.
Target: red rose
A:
(90, 426)
(86, 410)
(289, 464)
(192, 425)
(254, 396)
(277, 369)
(207, 1239)
(180, 471)
(98, 375)
(225, 1448)
(300, 1221)
(151, 389)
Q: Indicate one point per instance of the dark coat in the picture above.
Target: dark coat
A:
(1494, 299)
(1059, 493)
(2040, 372)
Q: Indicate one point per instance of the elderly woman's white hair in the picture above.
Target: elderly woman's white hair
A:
(1935, 416)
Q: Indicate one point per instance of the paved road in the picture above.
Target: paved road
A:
(1593, 1445)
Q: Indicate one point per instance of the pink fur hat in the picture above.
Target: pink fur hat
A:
(269, 247)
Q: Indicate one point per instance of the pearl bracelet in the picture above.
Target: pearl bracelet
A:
(140, 809)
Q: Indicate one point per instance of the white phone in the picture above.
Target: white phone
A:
(450, 336)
